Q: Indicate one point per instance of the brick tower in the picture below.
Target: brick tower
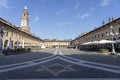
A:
(25, 21)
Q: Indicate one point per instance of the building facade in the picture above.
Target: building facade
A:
(14, 38)
(56, 43)
(101, 33)
(18, 37)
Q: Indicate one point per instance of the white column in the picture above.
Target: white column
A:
(2, 44)
(23, 45)
(10, 43)
(17, 44)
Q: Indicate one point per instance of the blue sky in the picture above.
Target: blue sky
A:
(62, 19)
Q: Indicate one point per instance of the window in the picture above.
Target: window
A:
(95, 36)
(119, 29)
(102, 35)
(106, 32)
(6, 33)
(12, 33)
(113, 31)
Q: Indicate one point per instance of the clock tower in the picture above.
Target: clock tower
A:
(25, 21)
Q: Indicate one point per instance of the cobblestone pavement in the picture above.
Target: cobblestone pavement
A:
(93, 56)
(62, 64)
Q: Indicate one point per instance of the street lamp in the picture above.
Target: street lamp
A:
(1, 34)
(112, 34)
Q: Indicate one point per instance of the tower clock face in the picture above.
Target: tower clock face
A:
(23, 24)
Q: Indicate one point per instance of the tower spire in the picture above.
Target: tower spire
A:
(25, 20)
(25, 7)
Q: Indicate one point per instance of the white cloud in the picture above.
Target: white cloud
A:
(36, 18)
(105, 3)
(64, 24)
(84, 15)
(77, 5)
(3, 3)
(62, 12)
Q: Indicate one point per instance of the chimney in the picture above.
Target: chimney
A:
(113, 18)
(109, 19)
(103, 22)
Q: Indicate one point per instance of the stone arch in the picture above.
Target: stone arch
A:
(16, 44)
(5, 44)
(8, 44)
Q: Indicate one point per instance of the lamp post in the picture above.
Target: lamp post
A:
(1, 34)
(112, 34)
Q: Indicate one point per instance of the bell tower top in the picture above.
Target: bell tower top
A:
(25, 7)
(25, 21)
